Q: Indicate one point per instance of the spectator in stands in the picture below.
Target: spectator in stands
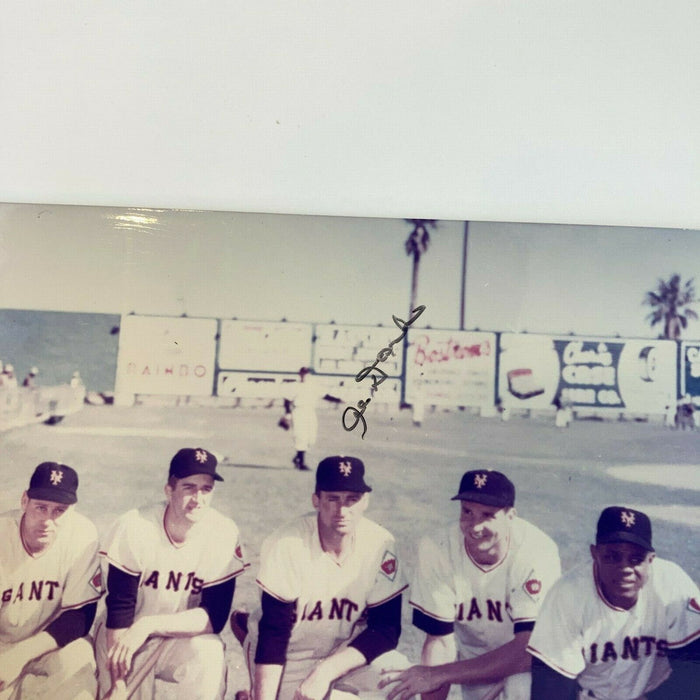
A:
(30, 379)
(8, 377)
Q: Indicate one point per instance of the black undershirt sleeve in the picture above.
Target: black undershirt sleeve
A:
(382, 632)
(72, 624)
(683, 683)
(431, 626)
(547, 684)
(216, 600)
(274, 630)
(523, 627)
(121, 598)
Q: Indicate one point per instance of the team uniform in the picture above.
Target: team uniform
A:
(36, 591)
(331, 599)
(484, 606)
(304, 419)
(172, 578)
(613, 653)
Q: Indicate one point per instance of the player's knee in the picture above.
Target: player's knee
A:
(69, 660)
(204, 662)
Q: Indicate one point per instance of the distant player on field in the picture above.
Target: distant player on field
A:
(50, 584)
(170, 570)
(609, 628)
(301, 407)
(476, 594)
(331, 596)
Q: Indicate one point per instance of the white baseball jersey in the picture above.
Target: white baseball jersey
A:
(330, 597)
(306, 396)
(484, 602)
(36, 589)
(613, 652)
(172, 576)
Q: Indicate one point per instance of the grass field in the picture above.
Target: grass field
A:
(563, 478)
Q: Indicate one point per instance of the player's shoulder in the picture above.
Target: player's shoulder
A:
(219, 522)
(529, 537)
(298, 532)
(575, 583)
(10, 518)
(80, 526)
(139, 520)
(372, 530)
(667, 578)
(445, 541)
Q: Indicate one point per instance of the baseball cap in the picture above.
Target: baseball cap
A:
(339, 473)
(619, 524)
(193, 460)
(488, 487)
(55, 482)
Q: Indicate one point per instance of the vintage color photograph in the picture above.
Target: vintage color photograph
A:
(565, 358)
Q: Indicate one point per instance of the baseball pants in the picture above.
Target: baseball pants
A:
(195, 664)
(64, 674)
(362, 682)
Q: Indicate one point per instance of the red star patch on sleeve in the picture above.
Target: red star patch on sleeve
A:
(389, 565)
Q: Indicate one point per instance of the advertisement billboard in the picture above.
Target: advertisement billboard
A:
(264, 346)
(163, 355)
(635, 376)
(690, 370)
(348, 349)
(450, 368)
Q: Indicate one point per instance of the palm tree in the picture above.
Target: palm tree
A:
(416, 245)
(670, 303)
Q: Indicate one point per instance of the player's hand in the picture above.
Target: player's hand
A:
(411, 681)
(12, 661)
(124, 644)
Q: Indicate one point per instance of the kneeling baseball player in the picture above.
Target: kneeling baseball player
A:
(615, 627)
(330, 615)
(171, 570)
(50, 585)
(476, 594)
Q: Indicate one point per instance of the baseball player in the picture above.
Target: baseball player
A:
(608, 630)
(50, 585)
(330, 615)
(170, 570)
(301, 406)
(476, 594)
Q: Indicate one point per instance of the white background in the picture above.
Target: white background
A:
(545, 111)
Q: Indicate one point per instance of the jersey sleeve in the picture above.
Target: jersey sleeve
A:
(433, 589)
(389, 580)
(230, 560)
(83, 581)
(536, 569)
(682, 606)
(121, 546)
(279, 573)
(556, 640)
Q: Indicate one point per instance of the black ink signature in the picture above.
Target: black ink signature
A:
(377, 375)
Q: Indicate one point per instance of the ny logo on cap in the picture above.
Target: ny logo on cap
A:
(627, 518)
(345, 468)
(200, 456)
(56, 476)
(480, 480)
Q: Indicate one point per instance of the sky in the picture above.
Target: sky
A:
(589, 280)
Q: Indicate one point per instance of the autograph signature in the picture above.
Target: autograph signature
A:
(377, 375)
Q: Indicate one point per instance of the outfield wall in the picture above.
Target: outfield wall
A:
(250, 361)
